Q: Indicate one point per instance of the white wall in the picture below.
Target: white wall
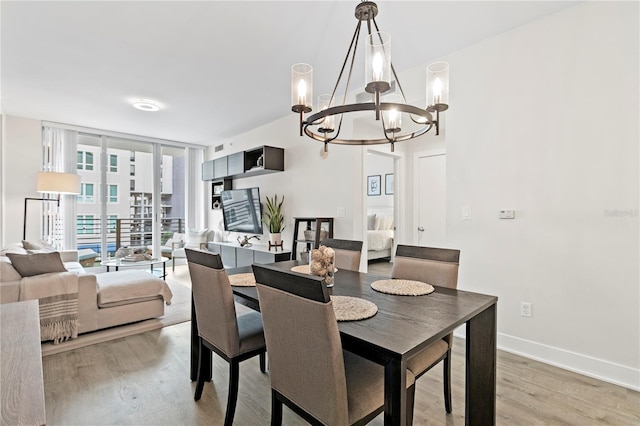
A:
(544, 120)
(312, 186)
(21, 162)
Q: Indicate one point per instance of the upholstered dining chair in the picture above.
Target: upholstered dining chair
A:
(309, 371)
(348, 253)
(438, 267)
(234, 338)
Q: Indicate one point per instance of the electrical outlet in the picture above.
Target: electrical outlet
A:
(525, 309)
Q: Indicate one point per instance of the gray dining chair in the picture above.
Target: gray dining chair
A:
(309, 371)
(348, 253)
(438, 267)
(233, 337)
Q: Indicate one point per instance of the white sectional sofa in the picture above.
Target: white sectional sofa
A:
(104, 300)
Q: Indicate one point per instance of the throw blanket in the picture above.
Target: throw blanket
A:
(58, 296)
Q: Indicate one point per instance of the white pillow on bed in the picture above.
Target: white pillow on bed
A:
(383, 223)
(371, 222)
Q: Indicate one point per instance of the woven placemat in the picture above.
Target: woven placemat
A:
(402, 287)
(304, 269)
(243, 280)
(349, 308)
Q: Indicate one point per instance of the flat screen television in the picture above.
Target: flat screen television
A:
(241, 210)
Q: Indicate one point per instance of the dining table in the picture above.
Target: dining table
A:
(402, 327)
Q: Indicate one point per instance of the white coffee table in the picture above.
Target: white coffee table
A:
(120, 263)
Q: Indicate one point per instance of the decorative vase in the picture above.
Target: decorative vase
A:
(275, 238)
(322, 264)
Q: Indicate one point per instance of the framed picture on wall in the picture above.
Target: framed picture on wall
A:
(374, 184)
(388, 184)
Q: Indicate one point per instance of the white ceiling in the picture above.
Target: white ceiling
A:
(219, 68)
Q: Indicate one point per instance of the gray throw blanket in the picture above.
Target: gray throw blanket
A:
(58, 298)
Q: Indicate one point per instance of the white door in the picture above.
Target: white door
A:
(431, 200)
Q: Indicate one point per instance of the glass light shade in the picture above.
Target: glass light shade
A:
(438, 84)
(302, 85)
(56, 182)
(378, 62)
(392, 117)
(328, 124)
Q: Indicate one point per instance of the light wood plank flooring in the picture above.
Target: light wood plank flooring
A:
(144, 380)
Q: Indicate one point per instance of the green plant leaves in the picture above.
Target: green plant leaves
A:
(273, 217)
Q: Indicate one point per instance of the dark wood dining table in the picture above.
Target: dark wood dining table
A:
(402, 327)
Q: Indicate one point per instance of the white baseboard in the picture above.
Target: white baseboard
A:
(586, 365)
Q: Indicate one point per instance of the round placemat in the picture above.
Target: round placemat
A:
(243, 280)
(304, 269)
(402, 287)
(349, 308)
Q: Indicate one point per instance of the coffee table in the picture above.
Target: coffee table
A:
(119, 263)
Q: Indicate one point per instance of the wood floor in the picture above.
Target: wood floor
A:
(144, 380)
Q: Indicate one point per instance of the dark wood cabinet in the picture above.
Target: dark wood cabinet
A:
(257, 161)
(217, 186)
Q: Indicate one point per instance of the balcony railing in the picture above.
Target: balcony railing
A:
(127, 232)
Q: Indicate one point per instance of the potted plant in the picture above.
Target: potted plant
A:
(274, 219)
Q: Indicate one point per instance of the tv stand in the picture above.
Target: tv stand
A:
(234, 256)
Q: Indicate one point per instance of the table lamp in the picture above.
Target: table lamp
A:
(52, 182)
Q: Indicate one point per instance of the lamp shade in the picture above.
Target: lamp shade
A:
(60, 183)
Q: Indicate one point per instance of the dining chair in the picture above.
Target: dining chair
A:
(233, 337)
(348, 253)
(438, 267)
(309, 371)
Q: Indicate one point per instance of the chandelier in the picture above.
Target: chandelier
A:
(386, 105)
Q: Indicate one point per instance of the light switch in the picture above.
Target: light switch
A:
(507, 214)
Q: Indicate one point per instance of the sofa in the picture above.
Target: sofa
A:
(104, 300)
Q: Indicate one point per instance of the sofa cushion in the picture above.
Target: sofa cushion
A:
(29, 265)
(7, 271)
(40, 245)
(130, 286)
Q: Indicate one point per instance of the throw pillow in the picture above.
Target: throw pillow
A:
(29, 265)
(40, 245)
(196, 238)
(371, 222)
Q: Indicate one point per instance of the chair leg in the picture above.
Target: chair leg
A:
(201, 378)
(234, 373)
(447, 382)
(173, 263)
(276, 409)
(411, 397)
(263, 362)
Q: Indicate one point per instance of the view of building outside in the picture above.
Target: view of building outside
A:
(129, 193)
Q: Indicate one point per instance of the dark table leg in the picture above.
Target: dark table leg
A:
(480, 392)
(395, 393)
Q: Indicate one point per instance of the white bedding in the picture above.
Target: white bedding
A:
(380, 240)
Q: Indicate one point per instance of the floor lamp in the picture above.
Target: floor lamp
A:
(52, 183)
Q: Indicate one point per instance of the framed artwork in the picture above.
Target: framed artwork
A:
(388, 184)
(374, 184)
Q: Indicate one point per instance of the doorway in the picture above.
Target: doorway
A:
(380, 212)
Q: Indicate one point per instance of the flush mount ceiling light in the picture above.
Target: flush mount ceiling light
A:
(387, 107)
(145, 105)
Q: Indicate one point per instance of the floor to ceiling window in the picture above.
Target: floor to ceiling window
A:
(131, 191)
